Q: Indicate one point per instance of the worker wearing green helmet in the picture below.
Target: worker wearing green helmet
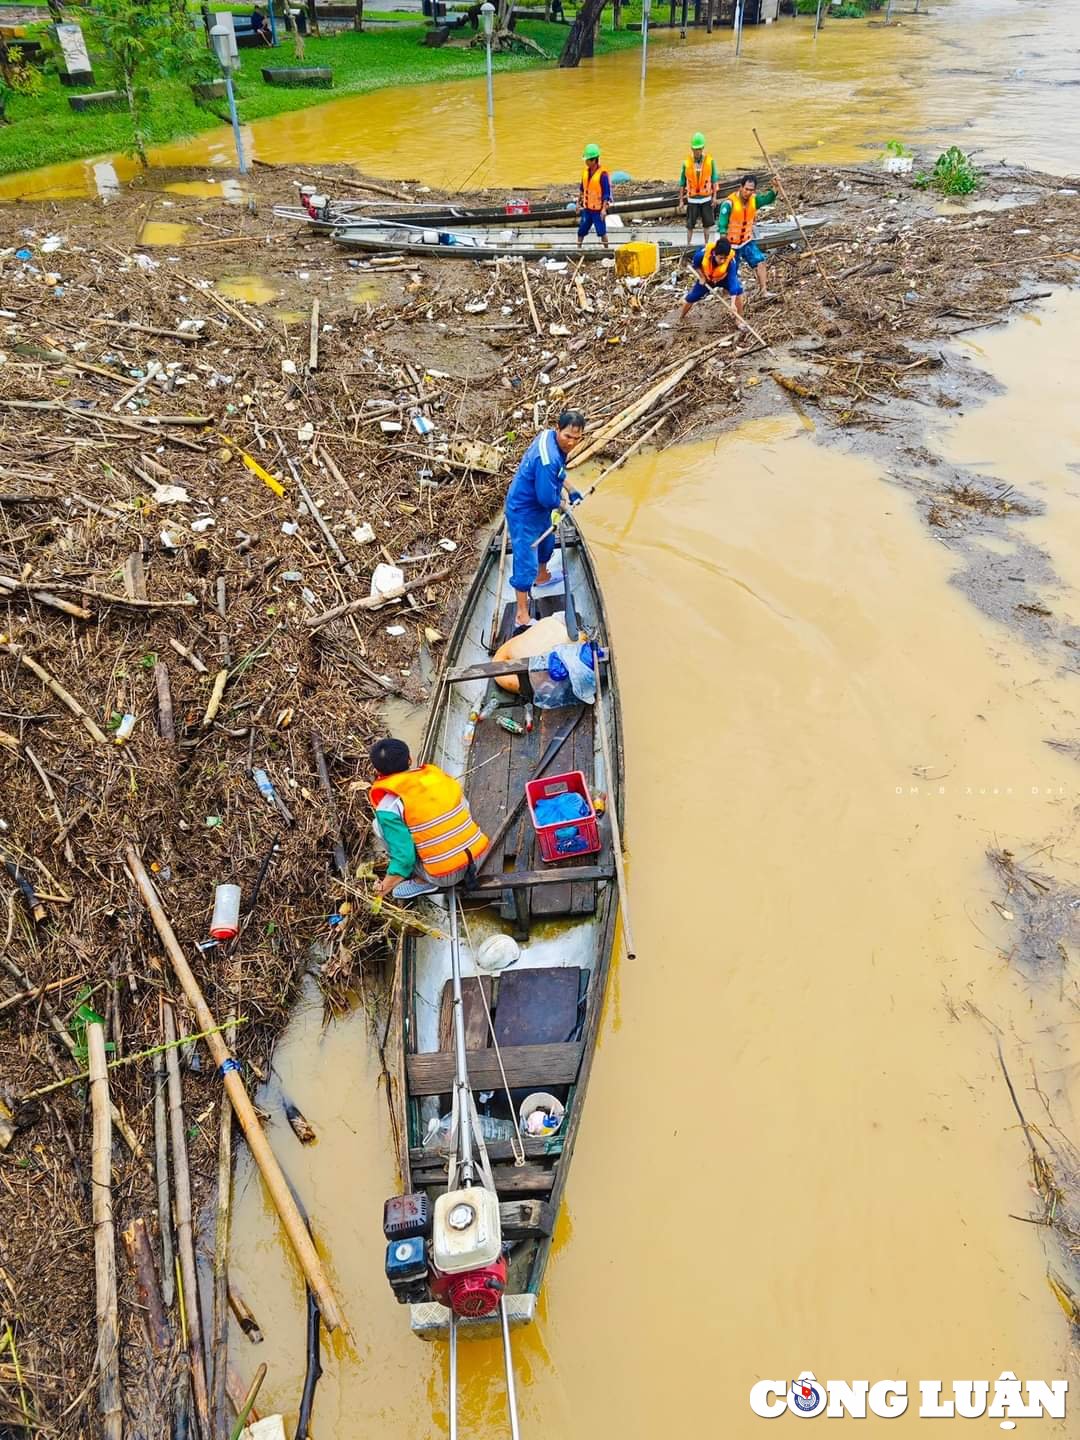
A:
(697, 188)
(594, 197)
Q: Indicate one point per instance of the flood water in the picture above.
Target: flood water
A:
(798, 1150)
(997, 76)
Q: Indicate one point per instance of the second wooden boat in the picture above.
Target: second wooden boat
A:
(556, 244)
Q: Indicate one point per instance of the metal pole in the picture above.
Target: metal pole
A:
(508, 1363)
(644, 38)
(817, 18)
(452, 1400)
(461, 1081)
(738, 25)
(235, 124)
(888, 13)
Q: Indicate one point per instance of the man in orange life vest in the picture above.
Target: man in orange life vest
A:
(716, 267)
(735, 221)
(424, 821)
(697, 188)
(594, 197)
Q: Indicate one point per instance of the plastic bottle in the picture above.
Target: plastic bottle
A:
(510, 725)
(490, 1128)
(226, 922)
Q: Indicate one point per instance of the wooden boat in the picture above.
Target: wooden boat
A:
(338, 213)
(545, 1007)
(555, 244)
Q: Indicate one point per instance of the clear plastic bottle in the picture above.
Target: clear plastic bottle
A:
(490, 1128)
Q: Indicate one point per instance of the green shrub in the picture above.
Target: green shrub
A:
(953, 174)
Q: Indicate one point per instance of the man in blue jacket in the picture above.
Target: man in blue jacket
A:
(535, 491)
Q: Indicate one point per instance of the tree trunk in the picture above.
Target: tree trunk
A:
(709, 8)
(579, 41)
(616, 15)
(313, 19)
(358, 17)
(697, 12)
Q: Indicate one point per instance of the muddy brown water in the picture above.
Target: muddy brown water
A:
(798, 1150)
(998, 76)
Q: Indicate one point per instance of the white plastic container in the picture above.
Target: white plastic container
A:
(226, 922)
(466, 1232)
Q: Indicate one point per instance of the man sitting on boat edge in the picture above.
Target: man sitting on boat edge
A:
(424, 821)
(535, 491)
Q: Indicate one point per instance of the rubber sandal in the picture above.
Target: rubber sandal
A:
(410, 889)
(520, 629)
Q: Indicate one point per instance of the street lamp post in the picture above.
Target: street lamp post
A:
(644, 38)
(487, 12)
(219, 35)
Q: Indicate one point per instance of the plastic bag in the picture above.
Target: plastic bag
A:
(563, 676)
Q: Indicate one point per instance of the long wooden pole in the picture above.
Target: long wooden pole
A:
(108, 1324)
(794, 215)
(630, 449)
(616, 831)
(496, 619)
(185, 1235)
(303, 1246)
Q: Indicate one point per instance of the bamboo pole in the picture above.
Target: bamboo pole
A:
(185, 1237)
(630, 449)
(794, 215)
(108, 1320)
(161, 1175)
(220, 1322)
(303, 1247)
(616, 831)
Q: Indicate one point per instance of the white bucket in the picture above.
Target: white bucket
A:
(540, 1100)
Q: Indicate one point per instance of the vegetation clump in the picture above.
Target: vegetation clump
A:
(953, 174)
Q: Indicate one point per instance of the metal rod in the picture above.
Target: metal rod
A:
(571, 614)
(235, 124)
(452, 1400)
(490, 83)
(817, 18)
(461, 1080)
(508, 1363)
(738, 25)
(644, 39)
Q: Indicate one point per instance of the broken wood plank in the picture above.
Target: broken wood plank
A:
(529, 879)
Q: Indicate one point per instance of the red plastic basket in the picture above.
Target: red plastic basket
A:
(584, 828)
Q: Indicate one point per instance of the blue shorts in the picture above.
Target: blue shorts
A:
(527, 561)
(730, 283)
(749, 254)
(592, 220)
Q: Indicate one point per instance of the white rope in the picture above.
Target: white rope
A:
(516, 1143)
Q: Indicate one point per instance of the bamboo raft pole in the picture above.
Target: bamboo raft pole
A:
(108, 1320)
(228, 1068)
(185, 1237)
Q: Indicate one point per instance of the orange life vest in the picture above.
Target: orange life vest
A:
(741, 221)
(698, 181)
(715, 267)
(592, 194)
(438, 816)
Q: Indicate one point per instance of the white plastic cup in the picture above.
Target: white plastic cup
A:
(226, 922)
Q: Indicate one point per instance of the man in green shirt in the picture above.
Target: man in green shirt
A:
(697, 188)
(735, 222)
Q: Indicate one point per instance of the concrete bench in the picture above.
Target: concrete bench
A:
(293, 75)
(97, 100)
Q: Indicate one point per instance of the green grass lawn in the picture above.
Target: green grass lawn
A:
(45, 130)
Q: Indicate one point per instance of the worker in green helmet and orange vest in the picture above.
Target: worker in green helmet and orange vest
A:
(594, 197)
(697, 188)
(735, 222)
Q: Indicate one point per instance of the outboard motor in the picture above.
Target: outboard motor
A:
(469, 1268)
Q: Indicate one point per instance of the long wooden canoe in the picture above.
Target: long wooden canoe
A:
(556, 244)
(338, 213)
(546, 1006)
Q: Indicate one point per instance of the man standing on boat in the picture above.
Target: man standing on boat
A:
(536, 490)
(594, 197)
(736, 222)
(697, 188)
(424, 821)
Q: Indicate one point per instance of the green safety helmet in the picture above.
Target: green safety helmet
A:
(698, 142)
(592, 152)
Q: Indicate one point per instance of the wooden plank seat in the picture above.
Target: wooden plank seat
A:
(527, 1066)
